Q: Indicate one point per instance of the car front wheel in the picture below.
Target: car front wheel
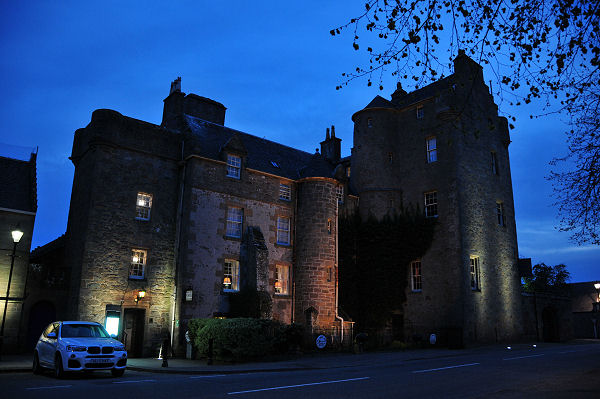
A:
(37, 369)
(58, 366)
(117, 372)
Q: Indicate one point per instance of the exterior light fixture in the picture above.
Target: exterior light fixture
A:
(16, 236)
(140, 295)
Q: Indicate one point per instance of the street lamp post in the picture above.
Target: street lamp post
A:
(16, 236)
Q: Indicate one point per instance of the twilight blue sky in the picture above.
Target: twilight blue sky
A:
(273, 64)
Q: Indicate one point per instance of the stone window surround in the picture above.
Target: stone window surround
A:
(475, 273)
(431, 148)
(234, 166)
(431, 204)
(500, 213)
(138, 264)
(416, 276)
(234, 274)
(230, 222)
(143, 206)
(286, 284)
(285, 191)
(289, 230)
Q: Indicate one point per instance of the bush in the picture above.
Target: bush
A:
(243, 338)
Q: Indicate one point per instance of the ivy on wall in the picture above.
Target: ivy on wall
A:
(374, 262)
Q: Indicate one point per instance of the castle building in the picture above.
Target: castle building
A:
(167, 222)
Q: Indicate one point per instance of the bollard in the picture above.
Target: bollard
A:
(209, 361)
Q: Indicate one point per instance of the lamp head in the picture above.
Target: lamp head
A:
(597, 286)
(16, 235)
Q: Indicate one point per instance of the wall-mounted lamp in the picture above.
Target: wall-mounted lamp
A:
(140, 295)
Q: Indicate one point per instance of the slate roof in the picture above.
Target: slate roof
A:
(18, 184)
(380, 102)
(208, 140)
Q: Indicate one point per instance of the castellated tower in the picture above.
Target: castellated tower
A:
(444, 149)
(315, 270)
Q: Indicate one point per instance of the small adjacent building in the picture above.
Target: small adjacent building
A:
(18, 206)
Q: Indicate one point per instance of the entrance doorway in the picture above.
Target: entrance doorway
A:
(133, 331)
(40, 315)
(550, 324)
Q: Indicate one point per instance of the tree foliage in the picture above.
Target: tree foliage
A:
(549, 279)
(374, 262)
(544, 50)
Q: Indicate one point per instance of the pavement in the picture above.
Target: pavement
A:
(310, 361)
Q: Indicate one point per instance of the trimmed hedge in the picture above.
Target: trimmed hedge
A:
(243, 338)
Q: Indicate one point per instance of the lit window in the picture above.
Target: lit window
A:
(143, 206)
(474, 271)
(283, 230)
(348, 171)
(282, 278)
(500, 214)
(235, 217)
(494, 161)
(138, 264)
(339, 193)
(420, 112)
(231, 275)
(431, 204)
(416, 283)
(431, 149)
(285, 192)
(234, 164)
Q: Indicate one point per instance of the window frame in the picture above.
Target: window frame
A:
(500, 213)
(136, 265)
(233, 222)
(285, 191)
(143, 203)
(416, 276)
(339, 194)
(494, 163)
(282, 232)
(233, 272)
(420, 112)
(430, 203)
(431, 151)
(475, 273)
(283, 278)
(234, 166)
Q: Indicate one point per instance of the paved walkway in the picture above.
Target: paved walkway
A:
(312, 361)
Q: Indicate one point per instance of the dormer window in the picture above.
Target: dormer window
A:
(234, 165)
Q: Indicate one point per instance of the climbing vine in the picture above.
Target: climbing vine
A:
(375, 257)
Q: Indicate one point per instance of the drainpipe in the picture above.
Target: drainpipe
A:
(295, 248)
(337, 234)
(178, 241)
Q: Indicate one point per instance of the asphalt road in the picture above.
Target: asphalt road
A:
(561, 371)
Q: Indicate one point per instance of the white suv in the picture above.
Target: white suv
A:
(76, 346)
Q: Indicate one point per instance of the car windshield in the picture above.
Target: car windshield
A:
(83, 331)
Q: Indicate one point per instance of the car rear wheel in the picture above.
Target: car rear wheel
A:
(58, 366)
(37, 369)
(117, 372)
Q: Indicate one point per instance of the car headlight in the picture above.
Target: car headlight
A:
(120, 348)
(73, 348)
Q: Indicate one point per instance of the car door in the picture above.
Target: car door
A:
(47, 345)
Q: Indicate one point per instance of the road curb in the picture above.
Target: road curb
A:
(166, 370)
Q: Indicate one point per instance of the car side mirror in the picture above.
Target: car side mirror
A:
(52, 335)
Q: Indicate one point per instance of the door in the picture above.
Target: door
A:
(133, 331)
(40, 315)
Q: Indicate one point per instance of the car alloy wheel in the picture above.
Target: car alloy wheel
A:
(58, 366)
(117, 372)
(37, 369)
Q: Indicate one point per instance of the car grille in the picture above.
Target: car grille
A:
(93, 350)
(107, 350)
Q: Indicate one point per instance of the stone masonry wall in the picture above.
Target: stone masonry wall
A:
(315, 253)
